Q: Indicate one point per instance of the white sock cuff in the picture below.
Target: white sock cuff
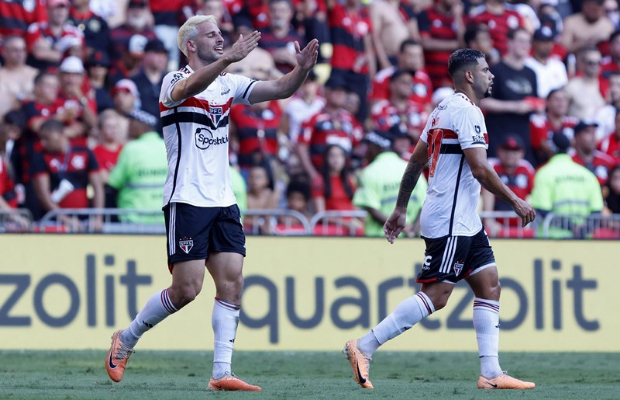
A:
(425, 303)
(166, 302)
(488, 305)
(226, 305)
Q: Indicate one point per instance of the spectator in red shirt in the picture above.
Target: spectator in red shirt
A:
(409, 58)
(61, 172)
(332, 125)
(81, 106)
(409, 116)
(585, 152)
(254, 133)
(110, 143)
(611, 144)
(17, 16)
(544, 126)
(49, 42)
(353, 59)
(441, 30)
(333, 188)
(44, 107)
(279, 37)
(137, 23)
(516, 173)
(500, 19)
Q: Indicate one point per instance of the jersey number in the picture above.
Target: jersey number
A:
(436, 135)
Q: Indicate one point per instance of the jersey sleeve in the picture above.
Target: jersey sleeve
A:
(93, 164)
(469, 126)
(118, 175)
(242, 88)
(366, 195)
(170, 81)
(429, 122)
(542, 196)
(596, 196)
(38, 165)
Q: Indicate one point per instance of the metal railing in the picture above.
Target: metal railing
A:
(278, 222)
(596, 226)
(338, 223)
(507, 224)
(103, 220)
(15, 220)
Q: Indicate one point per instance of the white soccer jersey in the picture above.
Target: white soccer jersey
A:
(196, 136)
(453, 192)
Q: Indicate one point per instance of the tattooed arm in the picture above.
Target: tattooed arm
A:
(396, 221)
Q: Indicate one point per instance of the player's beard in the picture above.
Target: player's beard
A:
(207, 56)
(487, 93)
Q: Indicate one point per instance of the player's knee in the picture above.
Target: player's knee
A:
(184, 295)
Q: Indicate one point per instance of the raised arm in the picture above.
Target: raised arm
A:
(285, 86)
(203, 77)
(486, 175)
(396, 221)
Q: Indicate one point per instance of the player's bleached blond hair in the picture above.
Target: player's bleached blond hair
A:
(189, 31)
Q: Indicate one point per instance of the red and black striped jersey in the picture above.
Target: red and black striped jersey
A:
(17, 16)
(326, 128)
(348, 30)
(412, 118)
(75, 166)
(422, 87)
(498, 25)
(520, 181)
(611, 146)
(40, 30)
(600, 165)
(542, 130)
(257, 131)
(433, 24)
(271, 43)
(7, 186)
(120, 37)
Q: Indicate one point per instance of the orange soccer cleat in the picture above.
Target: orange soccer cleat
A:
(117, 358)
(360, 364)
(504, 381)
(230, 382)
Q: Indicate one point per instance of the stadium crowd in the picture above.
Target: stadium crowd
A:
(80, 83)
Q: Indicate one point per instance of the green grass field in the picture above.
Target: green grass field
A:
(304, 375)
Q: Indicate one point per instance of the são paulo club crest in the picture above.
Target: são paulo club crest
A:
(458, 267)
(186, 244)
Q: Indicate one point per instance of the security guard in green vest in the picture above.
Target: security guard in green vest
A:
(379, 183)
(567, 189)
(141, 170)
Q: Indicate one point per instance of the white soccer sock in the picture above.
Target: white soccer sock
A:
(486, 323)
(408, 313)
(157, 308)
(224, 320)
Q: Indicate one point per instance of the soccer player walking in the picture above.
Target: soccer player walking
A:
(203, 223)
(454, 145)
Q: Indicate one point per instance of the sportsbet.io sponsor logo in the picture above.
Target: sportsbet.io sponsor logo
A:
(204, 139)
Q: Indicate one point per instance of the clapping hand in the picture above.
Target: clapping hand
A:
(306, 58)
(242, 47)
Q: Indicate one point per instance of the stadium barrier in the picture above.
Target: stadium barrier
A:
(279, 222)
(596, 226)
(16, 220)
(306, 293)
